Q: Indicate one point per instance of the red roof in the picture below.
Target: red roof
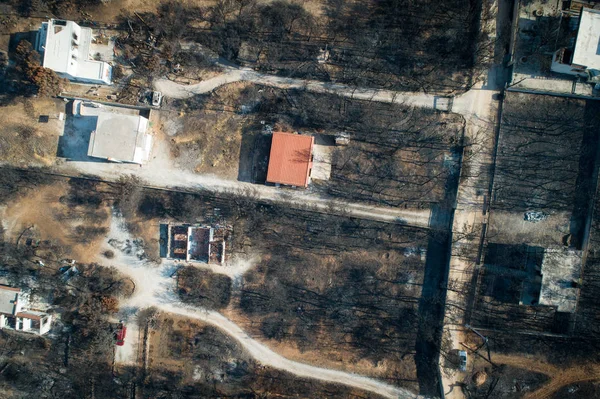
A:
(7, 288)
(291, 159)
(26, 315)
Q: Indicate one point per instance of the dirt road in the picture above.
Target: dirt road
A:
(480, 107)
(155, 287)
(558, 377)
(466, 104)
(176, 90)
(480, 115)
(160, 173)
(269, 358)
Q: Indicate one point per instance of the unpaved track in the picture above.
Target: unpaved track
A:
(464, 104)
(564, 378)
(558, 377)
(176, 90)
(269, 358)
(161, 175)
(155, 287)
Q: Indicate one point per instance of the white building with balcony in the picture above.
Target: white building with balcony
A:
(15, 315)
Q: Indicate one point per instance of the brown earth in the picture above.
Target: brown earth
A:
(24, 140)
(559, 377)
(52, 219)
(338, 360)
(208, 140)
(159, 356)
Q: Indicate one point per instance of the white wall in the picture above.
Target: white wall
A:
(45, 324)
(21, 302)
(26, 324)
(566, 69)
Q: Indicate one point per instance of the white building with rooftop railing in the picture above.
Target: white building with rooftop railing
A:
(65, 48)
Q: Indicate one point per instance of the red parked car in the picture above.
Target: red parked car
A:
(120, 334)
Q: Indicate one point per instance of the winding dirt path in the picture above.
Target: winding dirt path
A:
(155, 287)
(269, 358)
(463, 104)
(177, 90)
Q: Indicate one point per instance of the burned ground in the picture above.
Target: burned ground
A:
(332, 291)
(502, 289)
(395, 44)
(203, 288)
(42, 212)
(494, 310)
(587, 321)
(60, 363)
(579, 390)
(192, 358)
(547, 161)
(546, 153)
(337, 289)
(198, 357)
(397, 155)
(504, 382)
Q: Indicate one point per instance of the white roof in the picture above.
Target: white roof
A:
(8, 299)
(120, 137)
(57, 49)
(67, 50)
(561, 268)
(587, 47)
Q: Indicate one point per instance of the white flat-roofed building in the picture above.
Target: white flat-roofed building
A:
(587, 46)
(120, 138)
(561, 278)
(65, 48)
(584, 59)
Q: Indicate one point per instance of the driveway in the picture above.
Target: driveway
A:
(177, 90)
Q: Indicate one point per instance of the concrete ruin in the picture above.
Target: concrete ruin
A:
(206, 244)
(532, 275)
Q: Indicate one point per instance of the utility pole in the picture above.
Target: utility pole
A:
(485, 342)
